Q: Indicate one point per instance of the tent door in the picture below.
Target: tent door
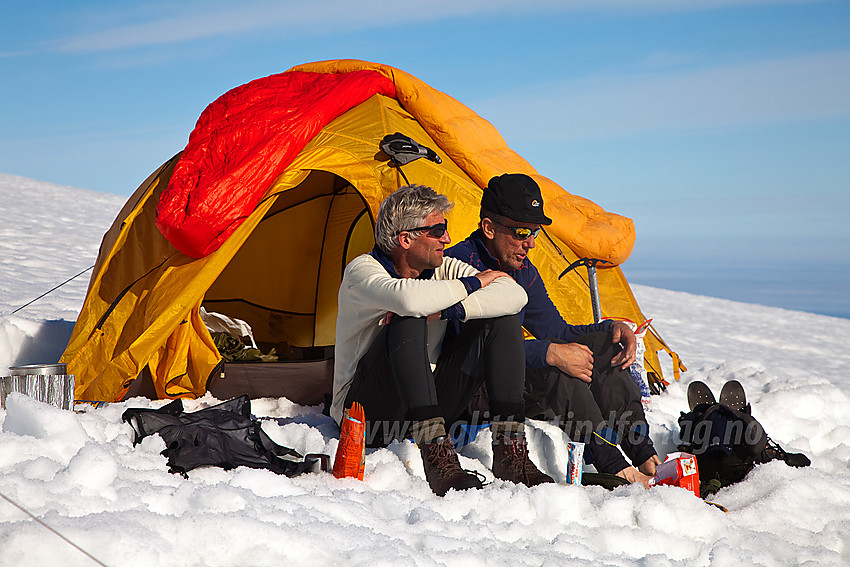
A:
(285, 279)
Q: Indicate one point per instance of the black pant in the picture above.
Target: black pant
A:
(602, 414)
(396, 386)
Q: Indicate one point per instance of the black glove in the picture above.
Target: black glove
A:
(403, 149)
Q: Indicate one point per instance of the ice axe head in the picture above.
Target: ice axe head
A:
(587, 262)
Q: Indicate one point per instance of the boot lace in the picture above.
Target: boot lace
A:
(516, 458)
(445, 462)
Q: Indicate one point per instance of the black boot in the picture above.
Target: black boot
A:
(511, 462)
(442, 467)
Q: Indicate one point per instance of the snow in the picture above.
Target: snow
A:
(79, 474)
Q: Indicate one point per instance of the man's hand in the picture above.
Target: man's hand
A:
(625, 336)
(633, 475)
(487, 276)
(648, 466)
(573, 359)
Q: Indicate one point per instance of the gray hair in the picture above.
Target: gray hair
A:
(404, 209)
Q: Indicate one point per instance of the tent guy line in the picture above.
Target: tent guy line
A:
(72, 278)
(55, 531)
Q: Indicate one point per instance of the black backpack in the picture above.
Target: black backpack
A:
(224, 435)
(728, 442)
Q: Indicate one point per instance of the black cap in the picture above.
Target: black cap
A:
(515, 196)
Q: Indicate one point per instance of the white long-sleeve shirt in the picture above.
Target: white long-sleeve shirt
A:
(368, 292)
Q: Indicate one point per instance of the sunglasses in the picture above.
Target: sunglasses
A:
(520, 232)
(434, 230)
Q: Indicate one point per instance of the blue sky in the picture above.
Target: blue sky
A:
(722, 127)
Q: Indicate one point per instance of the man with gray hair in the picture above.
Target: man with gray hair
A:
(391, 357)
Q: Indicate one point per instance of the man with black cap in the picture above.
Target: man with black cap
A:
(577, 374)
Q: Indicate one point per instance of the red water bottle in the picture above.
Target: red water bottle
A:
(350, 459)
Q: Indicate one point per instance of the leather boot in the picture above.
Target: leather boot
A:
(511, 462)
(442, 467)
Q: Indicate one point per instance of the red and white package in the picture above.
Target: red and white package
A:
(679, 469)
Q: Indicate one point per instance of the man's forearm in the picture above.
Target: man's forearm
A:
(371, 287)
(501, 297)
(535, 353)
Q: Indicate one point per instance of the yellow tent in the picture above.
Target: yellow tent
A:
(281, 266)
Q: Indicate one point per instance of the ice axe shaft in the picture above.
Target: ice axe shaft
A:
(594, 293)
(590, 263)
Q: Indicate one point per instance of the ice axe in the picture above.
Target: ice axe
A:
(590, 263)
